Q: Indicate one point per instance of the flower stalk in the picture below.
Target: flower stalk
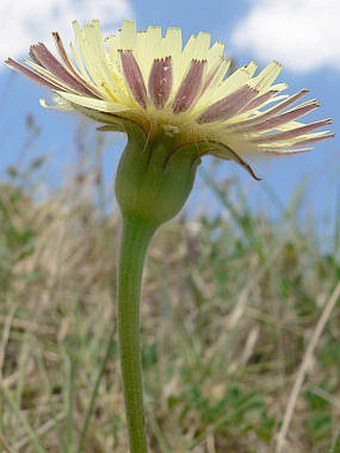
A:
(136, 237)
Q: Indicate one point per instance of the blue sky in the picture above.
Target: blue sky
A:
(303, 35)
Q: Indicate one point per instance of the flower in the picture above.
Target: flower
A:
(150, 80)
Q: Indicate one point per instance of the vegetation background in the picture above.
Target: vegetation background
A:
(232, 301)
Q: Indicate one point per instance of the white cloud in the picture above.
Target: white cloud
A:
(24, 22)
(303, 34)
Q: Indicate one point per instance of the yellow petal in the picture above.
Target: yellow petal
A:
(95, 104)
(128, 35)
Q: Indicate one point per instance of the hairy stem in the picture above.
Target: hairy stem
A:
(135, 239)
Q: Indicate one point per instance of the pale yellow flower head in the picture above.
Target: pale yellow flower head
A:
(150, 79)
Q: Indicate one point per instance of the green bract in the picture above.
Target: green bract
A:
(154, 177)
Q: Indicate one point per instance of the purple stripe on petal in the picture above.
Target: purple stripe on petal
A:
(34, 58)
(134, 77)
(61, 50)
(258, 101)
(295, 97)
(190, 87)
(63, 55)
(32, 75)
(48, 61)
(293, 133)
(212, 75)
(285, 117)
(227, 107)
(310, 141)
(160, 81)
(272, 112)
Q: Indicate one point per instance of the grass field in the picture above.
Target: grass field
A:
(238, 311)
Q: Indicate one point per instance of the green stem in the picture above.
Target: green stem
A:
(136, 237)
